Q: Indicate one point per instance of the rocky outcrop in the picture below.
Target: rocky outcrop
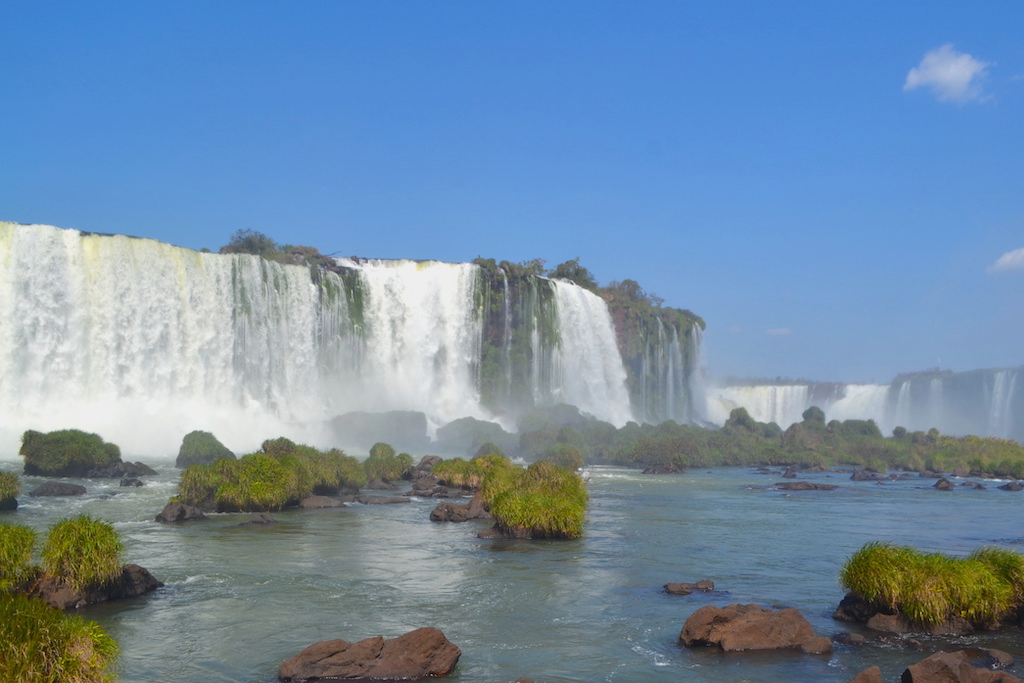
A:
(663, 469)
(56, 488)
(704, 586)
(870, 675)
(132, 482)
(453, 512)
(422, 653)
(381, 500)
(751, 627)
(134, 582)
(804, 486)
(121, 470)
(320, 502)
(8, 504)
(854, 609)
(179, 512)
(943, 484)
(1011, 486)
(952, 667)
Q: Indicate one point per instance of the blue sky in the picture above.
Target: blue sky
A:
(829, 184)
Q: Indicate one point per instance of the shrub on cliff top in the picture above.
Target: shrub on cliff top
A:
(17, 543)
(39, 644)
(82, 552)
(929, 588)
(67, 452)
(9, 486)
(201, 448)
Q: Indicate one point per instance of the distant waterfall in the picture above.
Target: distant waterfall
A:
(142, 342)
(980, 402)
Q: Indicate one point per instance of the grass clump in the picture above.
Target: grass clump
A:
(201, 448)
(281, 474)
(9, 486)
(547, 500)
(385, 465)
(17, 544)
(82, 552)
(40, 644)
(66, 453)
(984, 588)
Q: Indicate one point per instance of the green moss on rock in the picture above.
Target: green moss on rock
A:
(201, 448)
(66, 453)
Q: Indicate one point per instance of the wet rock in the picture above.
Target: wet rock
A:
(422, 653)
(380, 485)
(943, 484)
(751, 627)
(121, 469)
(704, 586)
(453, 512)
(179, 512)
(381, 500)
(870, 675)
(897, 623)
(943, 667)
(132, 481)
(319, 502)
(847, 638)
(974, 485)
(854, 609)
(425, 466)
(804, 486)
(992, 658)
(56, 488)
(8, 504)
(1011, 486)
(134, 582)
(259, 520)
(663, 469)
(864, 475)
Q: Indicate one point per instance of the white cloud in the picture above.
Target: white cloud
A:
(1011, 260)
(779, 331)
(953, 76)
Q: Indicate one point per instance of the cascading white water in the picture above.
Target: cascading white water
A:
(142, 342)
(588, 367)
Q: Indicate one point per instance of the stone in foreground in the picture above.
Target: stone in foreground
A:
(422, 653)
(751, 627)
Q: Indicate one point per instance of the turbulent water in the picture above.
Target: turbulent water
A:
(980, 402)
(143, 342)
(239, 600)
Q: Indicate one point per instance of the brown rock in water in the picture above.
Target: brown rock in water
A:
(751, 627)
(422, 653)
(318, 502)
(381, 500)
(871, 675)
(179, 512)
(704, 585)
(134, 581)
(804, 486)
(943, 485)
(453, 512)
(944, 667)
(56, 488)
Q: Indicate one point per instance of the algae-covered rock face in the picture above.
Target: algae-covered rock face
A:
(66, 453)
(9, 489)
(201, 448)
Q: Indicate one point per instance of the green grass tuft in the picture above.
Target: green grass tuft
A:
(82, 552)
(201, 448)
(17, 545)
(9, 486)
(67, 452)
(40, 644)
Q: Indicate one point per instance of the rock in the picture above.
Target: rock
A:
(789, 473)
(131, 481)
(847, 638)
(8, 504)
(943, 667)
(134, 582)
(804, 486)
(426, 466)
(497, 532)
(943, 484)
(995, 659)
(704, 586)
(453, 512)
(928, 474)
(1011, 486)
(897, 623)
(380, 485)
(663, 469)
(816, 646)
(318, 502)
(121, 469)
(870, 675)
(422, 653)
(751, 627)
(179, 512)
(864, 475)
(381, 500)
(853, 609)
(56, 488)
(974, 485)
(260, 519)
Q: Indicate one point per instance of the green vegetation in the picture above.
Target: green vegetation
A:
(201, 448)
(68, 452)
(9, 486)
(40, 644)
(385, 465)
(17, 544)
(82, 552)
(985, 588)
(259, 244)
(281, 473)
(543, 500)
(565, 456)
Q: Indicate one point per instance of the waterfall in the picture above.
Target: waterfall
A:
(142, 342)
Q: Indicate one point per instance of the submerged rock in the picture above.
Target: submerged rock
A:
(56, 488)
(422, 653)
(804, 486)
(454, 512)
(663, 469)
(1012, 486)
(704, 586)
(943, 484)
(752, 627)
(121, 469)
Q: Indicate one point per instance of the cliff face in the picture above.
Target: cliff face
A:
(108, 329)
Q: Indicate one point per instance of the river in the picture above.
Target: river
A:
(239, 600)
